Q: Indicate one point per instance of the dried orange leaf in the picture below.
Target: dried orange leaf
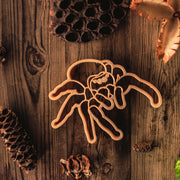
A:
(175, 4)
(152, 10)
(169, 39)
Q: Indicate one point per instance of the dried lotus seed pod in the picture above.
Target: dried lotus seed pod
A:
(86, 20)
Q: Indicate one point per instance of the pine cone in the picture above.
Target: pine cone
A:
(17, 140)
(142, 147)
(76, 166)
(86, 20)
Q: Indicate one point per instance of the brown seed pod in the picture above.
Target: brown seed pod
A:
(86, 20)
(142, 147)
(17, 140)
(76, 166)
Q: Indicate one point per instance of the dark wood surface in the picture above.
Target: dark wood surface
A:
(37, 62)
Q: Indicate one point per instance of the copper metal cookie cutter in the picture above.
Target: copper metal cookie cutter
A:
(101, 90)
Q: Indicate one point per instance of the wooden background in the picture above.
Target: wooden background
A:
(37, 62)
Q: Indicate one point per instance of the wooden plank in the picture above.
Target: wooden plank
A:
(38, 61)
(147, 124)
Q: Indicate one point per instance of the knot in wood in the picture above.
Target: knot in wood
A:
(3, 53)
(106, 169)
(34, 60)
(38, 60)
(177, 14)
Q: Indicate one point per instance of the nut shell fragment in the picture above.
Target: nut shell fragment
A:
(76, 166)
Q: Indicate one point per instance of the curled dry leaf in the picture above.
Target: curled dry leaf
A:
(152, 10)
(169, 38)
(168, 41)
(175, 4)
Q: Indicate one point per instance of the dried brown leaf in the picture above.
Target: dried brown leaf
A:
(169, 39)
(154, 10)
(175, 4)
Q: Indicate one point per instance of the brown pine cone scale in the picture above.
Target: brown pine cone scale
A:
(86, 20)
(17, 140)
(142, 147)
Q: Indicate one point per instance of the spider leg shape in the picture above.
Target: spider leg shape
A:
(140, 85)
(89, 106)
(75, 95)
(91, 111)
(122, 88)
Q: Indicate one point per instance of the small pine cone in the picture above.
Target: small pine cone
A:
(142, 147)
(17, 140)
(76, 166)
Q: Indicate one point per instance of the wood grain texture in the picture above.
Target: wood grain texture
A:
(38, 61)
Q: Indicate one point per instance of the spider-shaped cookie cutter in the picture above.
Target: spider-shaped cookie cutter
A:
(102, 90)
